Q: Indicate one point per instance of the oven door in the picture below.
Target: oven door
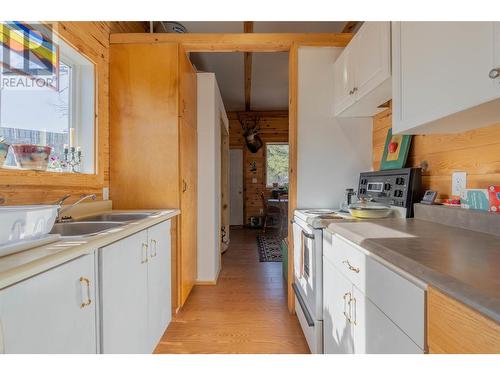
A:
(308, 267)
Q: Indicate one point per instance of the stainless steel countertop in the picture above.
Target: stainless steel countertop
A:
(462, 263)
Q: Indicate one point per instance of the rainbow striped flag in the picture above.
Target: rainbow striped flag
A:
(28, 49)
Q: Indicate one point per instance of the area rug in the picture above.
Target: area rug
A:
(269, 248)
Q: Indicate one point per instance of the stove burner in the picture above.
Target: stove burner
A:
(320, 211)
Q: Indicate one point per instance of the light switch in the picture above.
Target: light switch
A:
(105, 193)
(458, 183)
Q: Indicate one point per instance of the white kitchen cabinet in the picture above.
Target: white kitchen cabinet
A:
(441, 76)
(123, 272)
(53, 312)
(337, 331)
(374, 332)
(159, 281)
(362, 73)
(135, 291)
(368, 308)
(344, 82)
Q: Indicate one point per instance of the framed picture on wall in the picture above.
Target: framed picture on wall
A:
(395, 151)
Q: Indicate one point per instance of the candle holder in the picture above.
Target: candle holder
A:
(73, 158)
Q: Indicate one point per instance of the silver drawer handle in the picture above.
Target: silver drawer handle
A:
(494, 73)
(353, 269)
(144, 254)
(155, 247)
(85, 283)
(347, 302)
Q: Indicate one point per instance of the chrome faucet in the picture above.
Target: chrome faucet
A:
(64, 209)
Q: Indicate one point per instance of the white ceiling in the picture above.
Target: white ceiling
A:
(269, 70)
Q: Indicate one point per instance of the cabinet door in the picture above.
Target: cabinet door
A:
(159, 283)
(371, 59)
(337, 331)
(124, 295)
(374, 332)
(189, 176)
(343, 73)
(53, 312)
(188, 217)
(439, 69)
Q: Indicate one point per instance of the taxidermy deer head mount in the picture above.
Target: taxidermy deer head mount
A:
(251, 127)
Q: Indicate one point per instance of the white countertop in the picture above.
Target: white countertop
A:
(25, 264)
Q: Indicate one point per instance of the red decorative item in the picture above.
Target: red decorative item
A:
(393, 146)
(494, 195)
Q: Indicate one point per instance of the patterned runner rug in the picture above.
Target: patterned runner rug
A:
(269, 248)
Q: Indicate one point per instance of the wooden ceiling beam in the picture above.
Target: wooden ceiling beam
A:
(236, 42)
(350, 26)
(233, 115)
(248, 28)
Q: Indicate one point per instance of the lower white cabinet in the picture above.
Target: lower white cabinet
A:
(135, 296)
(373, 331)
(53, 312)
(368, 308)
(159, 282)
(337, 331)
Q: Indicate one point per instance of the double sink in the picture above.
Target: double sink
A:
(93, 225)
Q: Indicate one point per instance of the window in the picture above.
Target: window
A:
(59, 115)
(277, 164)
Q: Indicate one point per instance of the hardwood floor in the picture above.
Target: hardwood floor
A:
(246, 312)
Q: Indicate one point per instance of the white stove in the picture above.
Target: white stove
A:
(397, 188)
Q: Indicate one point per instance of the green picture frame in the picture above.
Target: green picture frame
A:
(396, 151)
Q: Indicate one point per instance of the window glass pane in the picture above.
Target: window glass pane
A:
(37, 116)
(277, 164)
(47, 98)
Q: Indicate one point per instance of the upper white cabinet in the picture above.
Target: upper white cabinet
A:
(446, 76)
(53, 312)
(362, 73)
(135, 292)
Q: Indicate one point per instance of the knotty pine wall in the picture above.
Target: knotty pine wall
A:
(273, 128)
(92, 39)
(476, 152)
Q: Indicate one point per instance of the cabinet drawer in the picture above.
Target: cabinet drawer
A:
(374, 332)
(401, 300)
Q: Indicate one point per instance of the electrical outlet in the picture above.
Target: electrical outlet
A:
(105, 193)
(261, 211)
(458, 183)
(254, 180)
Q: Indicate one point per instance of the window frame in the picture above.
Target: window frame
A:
(265, 157)
(95, 180)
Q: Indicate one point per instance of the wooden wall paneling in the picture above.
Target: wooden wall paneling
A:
(144, 126)
(128, 27)
(457, 329)
(189, 173)
(476, 152)
(292, 174)
(237, 42)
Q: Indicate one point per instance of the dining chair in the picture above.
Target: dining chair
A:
(272, 212)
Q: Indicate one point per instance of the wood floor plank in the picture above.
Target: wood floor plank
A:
(246, 312)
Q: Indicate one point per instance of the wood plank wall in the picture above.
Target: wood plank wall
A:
(476, 152)
(274, 128)
(91, 39)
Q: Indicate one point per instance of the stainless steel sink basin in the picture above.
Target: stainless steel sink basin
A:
(118, 216)
(83, 228)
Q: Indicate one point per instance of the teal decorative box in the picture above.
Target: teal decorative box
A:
(475, 199)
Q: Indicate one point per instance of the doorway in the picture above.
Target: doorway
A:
(236, 187)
